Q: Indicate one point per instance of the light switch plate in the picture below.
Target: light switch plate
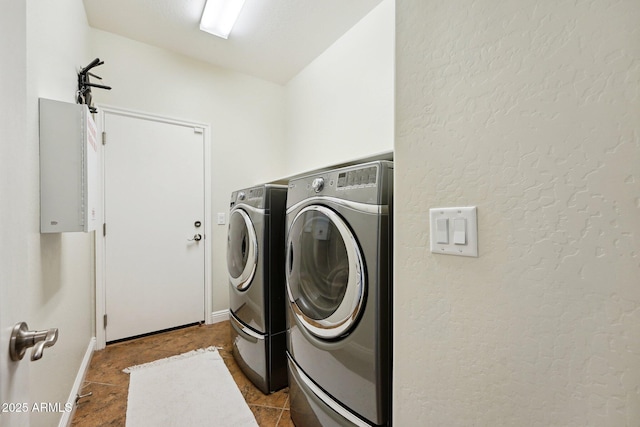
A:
(470, 237)
(221, 218)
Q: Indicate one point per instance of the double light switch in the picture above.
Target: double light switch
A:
(454, 231)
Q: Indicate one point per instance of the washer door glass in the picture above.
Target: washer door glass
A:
(242, 250)
(325, 272)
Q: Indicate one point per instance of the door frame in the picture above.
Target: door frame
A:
(100, 241)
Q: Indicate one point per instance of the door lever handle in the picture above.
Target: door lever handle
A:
(196, 238)
(22, 338)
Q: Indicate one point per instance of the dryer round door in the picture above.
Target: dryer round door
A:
(242, 250)
(325, 272)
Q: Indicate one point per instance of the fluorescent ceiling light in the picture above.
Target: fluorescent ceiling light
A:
(219, 16)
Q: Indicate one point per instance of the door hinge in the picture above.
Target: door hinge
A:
(105, 321)
(198, 131)
(104, 229)
(104, 138)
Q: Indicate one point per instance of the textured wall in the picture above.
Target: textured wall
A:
(531, 111)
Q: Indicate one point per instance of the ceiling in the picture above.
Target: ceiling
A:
(272, 39)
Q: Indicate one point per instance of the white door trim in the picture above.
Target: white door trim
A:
(100, 291)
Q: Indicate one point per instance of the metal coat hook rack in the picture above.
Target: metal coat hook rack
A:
(84, 85)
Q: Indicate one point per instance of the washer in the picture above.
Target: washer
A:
(255, 262)
(339, 287)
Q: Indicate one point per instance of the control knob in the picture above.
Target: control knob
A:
(318, 184)
(241, 195)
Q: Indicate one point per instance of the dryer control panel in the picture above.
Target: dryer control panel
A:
(370, 183)
(250, 196)
(358, 177)
(259, 197)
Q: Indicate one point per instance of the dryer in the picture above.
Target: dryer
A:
(339, 288)
(255, 262)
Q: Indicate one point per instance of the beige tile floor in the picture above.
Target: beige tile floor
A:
(109, 385)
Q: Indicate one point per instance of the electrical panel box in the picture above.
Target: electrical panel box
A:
(68, 168)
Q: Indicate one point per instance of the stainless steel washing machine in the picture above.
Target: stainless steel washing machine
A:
(255, 262)
(339, 287)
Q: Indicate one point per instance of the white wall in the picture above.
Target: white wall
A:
(529, 110)
(340, 107)
(245, 114)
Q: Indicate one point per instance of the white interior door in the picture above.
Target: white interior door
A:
(154, 197)
(14, 291)
(16, 213)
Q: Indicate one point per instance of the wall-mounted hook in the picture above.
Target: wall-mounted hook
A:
(83, 95)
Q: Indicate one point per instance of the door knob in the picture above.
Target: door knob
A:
(22, 338)
(196, 238)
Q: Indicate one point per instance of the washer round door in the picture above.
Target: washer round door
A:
(242, 250)
(325, 272)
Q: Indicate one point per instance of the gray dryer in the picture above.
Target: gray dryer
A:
(255, 262)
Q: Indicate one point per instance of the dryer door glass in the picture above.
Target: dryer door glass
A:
(325, 273)
(242, 250)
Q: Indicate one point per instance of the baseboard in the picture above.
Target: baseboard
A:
(219, 316)
(66, 418)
